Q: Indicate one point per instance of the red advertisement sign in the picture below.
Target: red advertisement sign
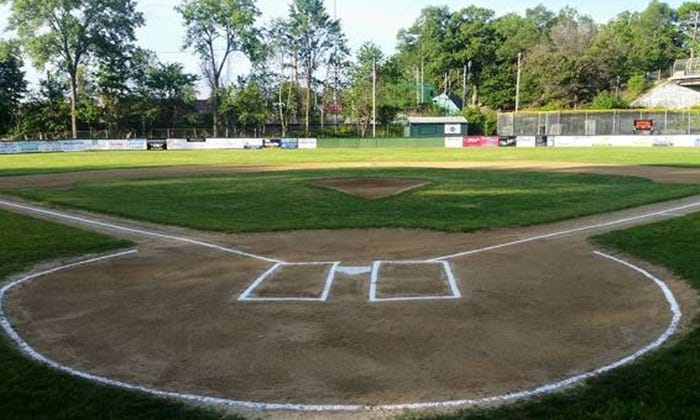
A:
(480, 141)
(644, 125)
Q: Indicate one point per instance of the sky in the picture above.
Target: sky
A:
(363, 20)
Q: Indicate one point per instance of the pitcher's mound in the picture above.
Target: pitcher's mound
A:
(371, 188)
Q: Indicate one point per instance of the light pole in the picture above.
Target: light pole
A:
(374, 99)
(517, 84)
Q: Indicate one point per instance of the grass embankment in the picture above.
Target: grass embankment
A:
(29, 390)
(455, 201)
(66, 162)
(665, 385)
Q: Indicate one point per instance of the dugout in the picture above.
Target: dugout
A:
(436, 127)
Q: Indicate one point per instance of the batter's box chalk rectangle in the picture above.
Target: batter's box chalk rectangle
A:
(293, 282)
(397, 281)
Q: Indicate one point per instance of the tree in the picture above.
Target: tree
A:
(250, 107)
(68, 33)
(45, 114)
(359, 95)
(162, 92)
(12, 84)
(689, 20)
(216, 29)
(657, 42)
(314, 37)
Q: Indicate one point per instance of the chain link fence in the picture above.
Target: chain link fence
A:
(596, 123)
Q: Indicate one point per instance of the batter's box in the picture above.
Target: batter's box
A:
(293, 282)
(395, 281)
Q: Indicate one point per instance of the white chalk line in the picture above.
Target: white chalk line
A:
(666, 212)
(246, 296)
(545, 389)
(455, 293)
(136, 231)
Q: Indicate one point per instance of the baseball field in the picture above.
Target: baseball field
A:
(351, 284)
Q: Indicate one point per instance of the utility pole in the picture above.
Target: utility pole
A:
(696, 21)
(517, 83)
(469, 72)
(422, 80)
(418, 88)
(374, 99)
(464, 88)
(336, 107)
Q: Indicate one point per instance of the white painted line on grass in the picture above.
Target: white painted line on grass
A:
(545, 389)
(666, 212)
(451, 280)
(112, 226)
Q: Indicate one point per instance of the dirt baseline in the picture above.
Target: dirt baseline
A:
(169, 317)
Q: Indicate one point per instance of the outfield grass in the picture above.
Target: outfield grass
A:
(29, 390)
(63, 162)
(454, 201)
(664, 385)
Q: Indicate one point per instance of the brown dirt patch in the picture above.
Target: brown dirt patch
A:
(371, 188)
(412, 280)
(305, 281)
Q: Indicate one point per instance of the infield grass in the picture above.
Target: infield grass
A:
(67, 162)
(454, 201)
(664, 385)
(29, 390)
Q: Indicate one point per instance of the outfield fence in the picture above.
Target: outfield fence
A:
(597, 123)
(380, 143)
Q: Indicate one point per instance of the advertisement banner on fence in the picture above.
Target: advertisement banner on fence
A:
(526, 142)
(157, 144)
(616, 141)
(289, 143)
(78, 145)
(480, 141)
(454, 142)
(308, 143)
(9, 147)
(215, 144)
(131, 144)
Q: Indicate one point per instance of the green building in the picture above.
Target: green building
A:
(436, 127)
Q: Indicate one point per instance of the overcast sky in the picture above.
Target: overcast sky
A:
(363, 20)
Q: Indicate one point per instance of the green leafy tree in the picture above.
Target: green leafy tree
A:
(216, 29)
(250, 108)
(283, 62)
(316, 40)
(656, 38)
(359, 98)
(689, 23)
(607, 100)
(68, 33)
(12, 84)
(45, 114)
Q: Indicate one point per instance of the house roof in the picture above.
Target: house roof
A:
(437, 120)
